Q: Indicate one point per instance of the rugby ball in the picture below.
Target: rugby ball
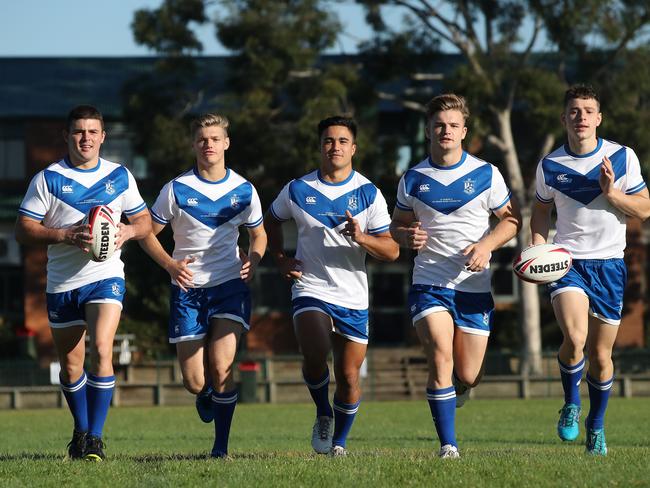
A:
(543, 263)
(103, 229)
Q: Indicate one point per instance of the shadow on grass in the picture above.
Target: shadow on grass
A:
(32, 456)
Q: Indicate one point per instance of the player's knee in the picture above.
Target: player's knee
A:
(71, 372)
(348, 379)
(468, 377)
(600, 358)
(575, 342)
(193, 385)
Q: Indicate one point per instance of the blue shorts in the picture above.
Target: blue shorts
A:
(347, 322)
(471, 312)
(601, 280)
(67, 308)
(190, 311)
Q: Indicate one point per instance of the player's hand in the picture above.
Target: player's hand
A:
(123, 234)
(290, 268)
(247, 270)
(416, 237)
(607, 176)
(180, 273)
(478, 257)
(78, 235)
(352, 229)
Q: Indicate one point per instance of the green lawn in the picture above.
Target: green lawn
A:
(502, 443)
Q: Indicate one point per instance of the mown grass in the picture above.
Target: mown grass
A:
(502, 442)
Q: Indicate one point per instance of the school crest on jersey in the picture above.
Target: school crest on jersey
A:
(353, 203)
(234, 201)
(110, 189)
(469, 186)
(115, 288)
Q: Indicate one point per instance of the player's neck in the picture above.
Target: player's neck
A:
(446, 158)
(583, 146)
(82, 163)
(211, 172)
(335, 175)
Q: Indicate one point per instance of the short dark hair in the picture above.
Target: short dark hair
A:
(447, 101)
(581, 91)
(338, 120)
(83, 112)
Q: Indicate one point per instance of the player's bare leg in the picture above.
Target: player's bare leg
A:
(222, 349)
(103, 320)
(572, 313)
(469, 358)
(436, 334)
(192, 359)
(313, 331)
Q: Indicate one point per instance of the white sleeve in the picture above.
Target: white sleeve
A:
(255, 216)
(281, 206)
(133, 202)
(633, 181)
(499, 191)
(37, 200)
(163, 210)
(378, 216)
(404, 200)
(543, 191)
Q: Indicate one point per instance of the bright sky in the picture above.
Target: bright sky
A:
(53, 28)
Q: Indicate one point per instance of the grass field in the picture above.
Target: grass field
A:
(502, 443)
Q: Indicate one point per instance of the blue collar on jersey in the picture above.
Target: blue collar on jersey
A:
(196, 173)
(571, 153)
(320, 178)
(453, 166)
(69, 164)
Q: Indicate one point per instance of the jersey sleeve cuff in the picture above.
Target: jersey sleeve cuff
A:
(636, 189)
(135, 210)
(378, 230)
(505, 200)
(543, 200)
(401, 206)
(276, 216)
(257, 223)
(158, 218)
(30, 214)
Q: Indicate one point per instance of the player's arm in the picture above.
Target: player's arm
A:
(635, 205)
(540, 222)
(256, 248)
(177, 269)
(380, 246)
(32, 232)
(138, 227)
(406, 230)
(479, 253)
(290, 268)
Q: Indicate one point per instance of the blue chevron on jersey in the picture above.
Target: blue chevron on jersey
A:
(582, 188)
(331, 213)
(83, 199)
(449, 198)
(212, 213)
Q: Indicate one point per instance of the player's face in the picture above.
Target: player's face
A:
(446, 131)
(84, 138)
(337, 147)
(581, 117)
(210, 145)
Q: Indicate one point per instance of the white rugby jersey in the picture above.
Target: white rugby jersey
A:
(60, 196)
(205, 217)
(588, 226)
(454, 204)
(334, 267)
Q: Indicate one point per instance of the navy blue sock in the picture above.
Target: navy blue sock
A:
(99, 391)
(442, 403)
(571, 377)
(224, 407)
(344, 414)
(598, 397)
(75, 395)
(319, 391)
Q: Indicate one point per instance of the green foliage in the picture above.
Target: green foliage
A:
(503, 443)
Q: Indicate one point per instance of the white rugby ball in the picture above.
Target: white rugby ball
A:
(103, 229)
(543, 263)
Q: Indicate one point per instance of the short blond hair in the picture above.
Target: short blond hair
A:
(447, 101)
(208, 120)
